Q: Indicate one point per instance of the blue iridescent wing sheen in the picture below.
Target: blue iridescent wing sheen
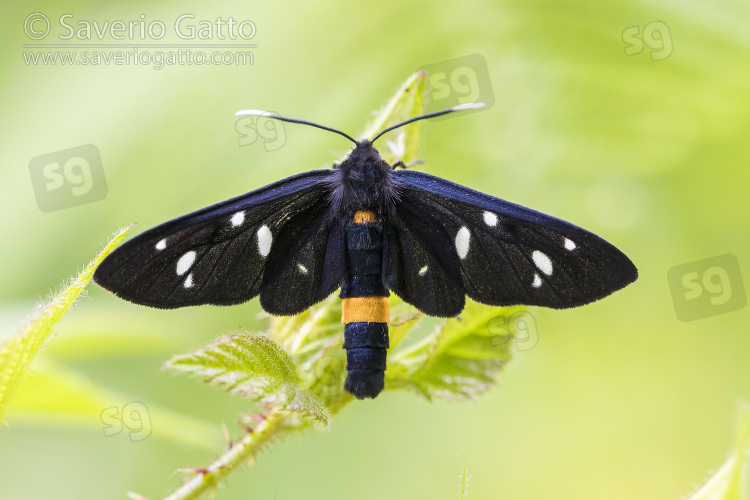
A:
(273, 242)
(444, 241)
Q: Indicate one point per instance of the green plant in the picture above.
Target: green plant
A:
(18, 352)
(463, 485)
(58, 395)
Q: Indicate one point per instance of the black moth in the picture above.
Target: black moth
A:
(366, 228)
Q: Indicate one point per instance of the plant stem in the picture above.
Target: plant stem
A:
(239, 453)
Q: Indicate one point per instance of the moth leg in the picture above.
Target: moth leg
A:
(400, 163)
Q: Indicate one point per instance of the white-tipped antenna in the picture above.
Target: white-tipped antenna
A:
(254, 112)
(268, 114)
(460, 107)
(468, 105)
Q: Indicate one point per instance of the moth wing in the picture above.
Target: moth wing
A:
(496, 252)
(227, 253)
(419, 263)
(307, 267)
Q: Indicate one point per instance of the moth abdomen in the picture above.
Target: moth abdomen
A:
(365, 311)
(366, 347)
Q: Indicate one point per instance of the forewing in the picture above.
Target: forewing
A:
(306, 266)
(220, 254)
(419, 262)
(507, 254)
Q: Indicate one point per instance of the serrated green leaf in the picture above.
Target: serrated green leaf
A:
(314, 338)
(17, 353)
(461, 357)
(253, 366)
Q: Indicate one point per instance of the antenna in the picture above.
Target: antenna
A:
(267, 114)
(460, 107)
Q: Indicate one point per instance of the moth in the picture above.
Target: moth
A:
(368, 228)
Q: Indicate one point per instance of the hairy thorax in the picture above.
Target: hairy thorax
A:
(364, 181)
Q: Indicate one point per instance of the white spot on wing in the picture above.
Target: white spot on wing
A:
(264, 240)
(423, 271)
(238, 218)
(542, 262)
(185, 262)
(188, 281)
(537, 281)
(162, 244)
(490, 219)
(302, 268)
(462, 242)
(570, 244)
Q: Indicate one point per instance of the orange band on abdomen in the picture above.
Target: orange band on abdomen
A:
(363, 217)
(365, 310)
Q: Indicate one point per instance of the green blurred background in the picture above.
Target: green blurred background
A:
(618, 400)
